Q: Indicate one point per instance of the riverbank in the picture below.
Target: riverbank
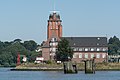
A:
(59, 67)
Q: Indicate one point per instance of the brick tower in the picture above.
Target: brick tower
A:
(54, 26)
(54, 33)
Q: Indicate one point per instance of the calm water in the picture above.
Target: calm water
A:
(6, 74)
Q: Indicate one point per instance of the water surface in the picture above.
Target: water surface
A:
(6, 74)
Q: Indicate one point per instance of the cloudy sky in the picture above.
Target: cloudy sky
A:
(27, 19)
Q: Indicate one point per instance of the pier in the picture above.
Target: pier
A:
(89, 66)
(70, 68)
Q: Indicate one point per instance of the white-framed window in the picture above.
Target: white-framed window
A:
(80, 55)
(56, 27)
(74, 55)
(98, 38)
(92, 49)
(86, 55)
(53, 49)
(98, 55)
(54, 44)
(92, 55)
(50, 49)
(80, 49)
(86, 49)
(51, 44)
(98, 44)
(98, 49)
(104, 49)
(75, 49)
(103, 55)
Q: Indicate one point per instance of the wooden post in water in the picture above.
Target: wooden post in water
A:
(70, 68)
(89, 66)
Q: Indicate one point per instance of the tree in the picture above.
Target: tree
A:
(30, 45)
(64, 52)
(114, 46)
(9, 51)
(17, 40)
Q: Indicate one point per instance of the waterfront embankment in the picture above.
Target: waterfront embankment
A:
(59, 67)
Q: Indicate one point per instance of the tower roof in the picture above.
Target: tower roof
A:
(54, 16)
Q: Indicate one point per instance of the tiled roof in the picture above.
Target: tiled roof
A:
(87, 41)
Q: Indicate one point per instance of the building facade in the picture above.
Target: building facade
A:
(83, 47)
(86, 48)
(54, 33)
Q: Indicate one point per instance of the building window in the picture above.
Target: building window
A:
(104, 49)
(98, 49)
(86, 49)
(56, 27)
(86, 55)
(98, 44)
(50, 49)
(98, 38)
(75, 49)
(92, 49)
(56, 43)
(80, 49)
(98, 55)
(103, 55)
(53, 49)
(92, 56)
(51, 27)
(53, 44)
(74, 56)
(80, 55)
(54, 39)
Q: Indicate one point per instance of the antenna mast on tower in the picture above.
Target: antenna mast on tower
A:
(54, 5)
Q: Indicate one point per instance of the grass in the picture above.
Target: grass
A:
(80, 66)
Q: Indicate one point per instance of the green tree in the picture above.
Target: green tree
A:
(17, 40)
(114, 46)
(9, 51)
(34, 55)
(30, 45)
(64, 52)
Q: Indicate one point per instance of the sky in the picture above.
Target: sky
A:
(27, 19)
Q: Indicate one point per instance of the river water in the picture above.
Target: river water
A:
(6, 74)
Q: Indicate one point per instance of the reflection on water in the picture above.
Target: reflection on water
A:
(6, 74)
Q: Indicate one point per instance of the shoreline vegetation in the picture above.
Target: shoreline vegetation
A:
(59, 67)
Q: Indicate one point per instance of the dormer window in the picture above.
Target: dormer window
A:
(92, 49)
(86, 49)
(98, 38)
(98, 49)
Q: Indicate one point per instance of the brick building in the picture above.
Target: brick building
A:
(89, 47)
(54, 33)
(83, 47)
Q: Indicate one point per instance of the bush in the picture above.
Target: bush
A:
(12, 65)
(6, 65)
(48, 62)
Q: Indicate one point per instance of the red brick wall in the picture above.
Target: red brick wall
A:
(46, 53)
(101, 59)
